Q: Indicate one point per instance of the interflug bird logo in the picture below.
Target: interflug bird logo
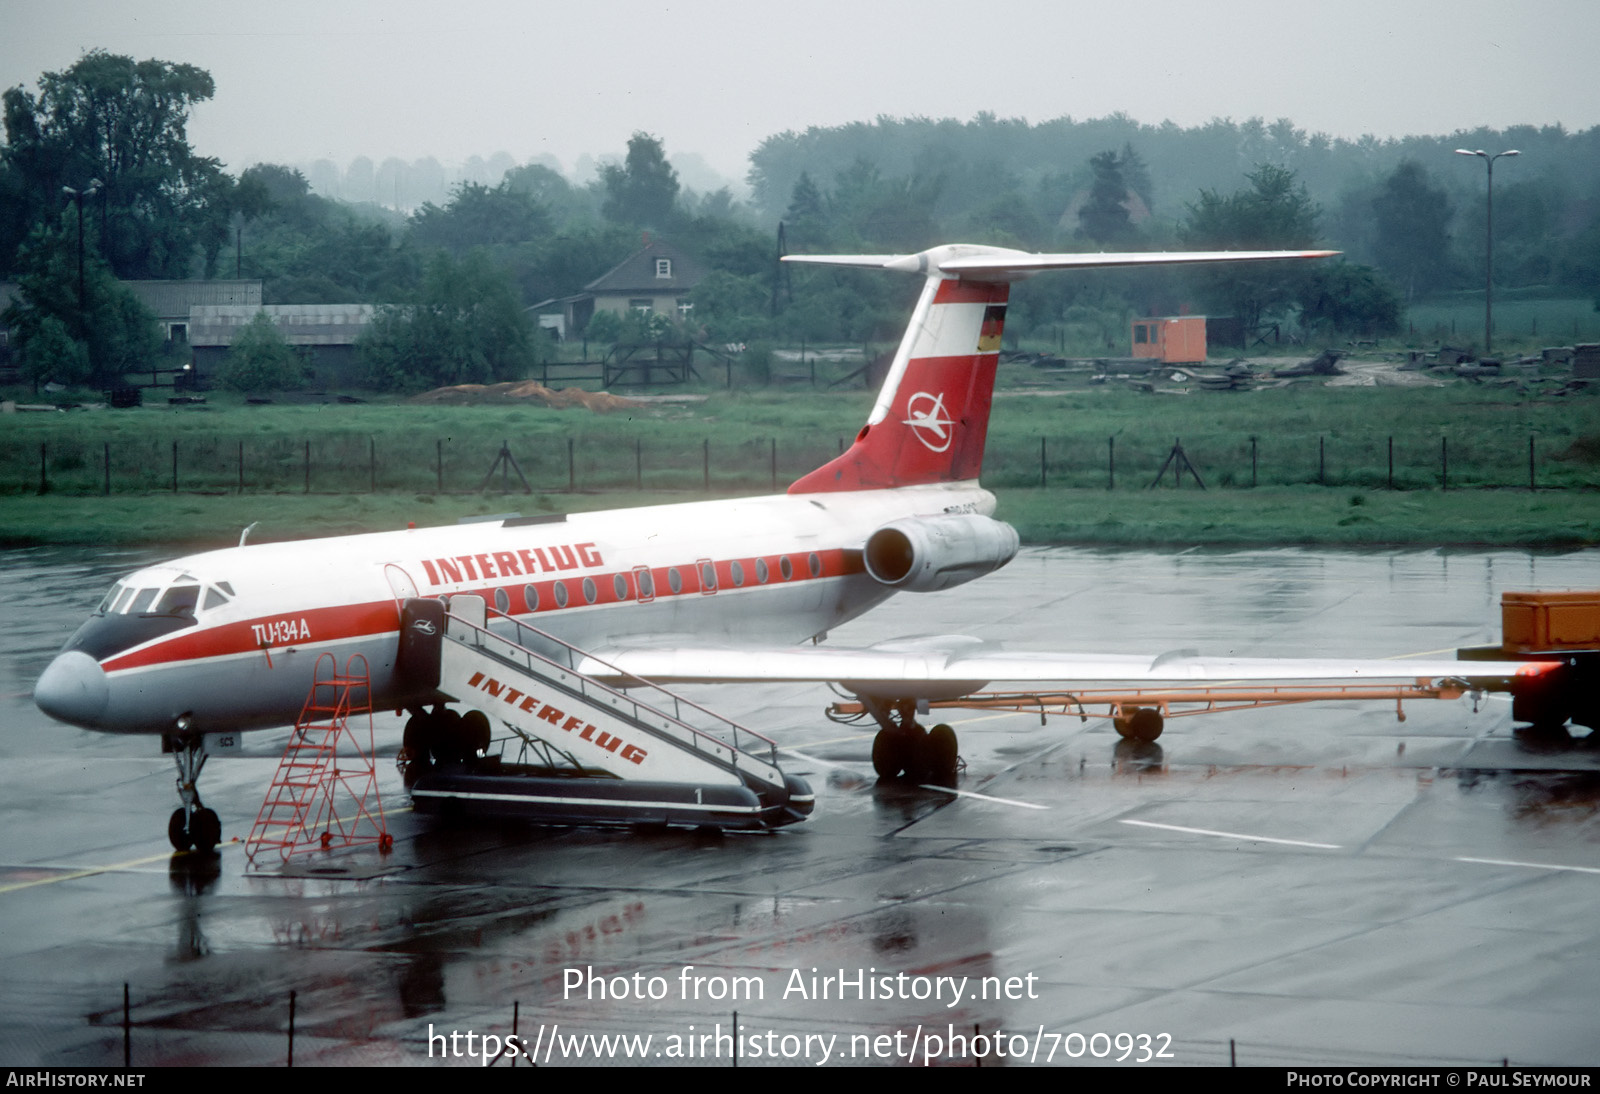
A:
(929, 421)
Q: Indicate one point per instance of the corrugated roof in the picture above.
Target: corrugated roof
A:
(637, 272)
(171, 300)
(300, 324)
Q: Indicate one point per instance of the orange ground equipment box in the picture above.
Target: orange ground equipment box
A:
(1550, 621)
(1172, 340)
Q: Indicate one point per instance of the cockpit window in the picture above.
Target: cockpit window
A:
(111, 598)
(142, 601)
(179, 600)
(122, 601)
(214, 599)
(226, 588)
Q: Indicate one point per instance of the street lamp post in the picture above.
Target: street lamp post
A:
(1488, 241)
(78, 196)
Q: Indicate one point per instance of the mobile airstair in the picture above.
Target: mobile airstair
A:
(545, 741)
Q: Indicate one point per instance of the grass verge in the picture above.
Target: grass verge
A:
(1281, 515)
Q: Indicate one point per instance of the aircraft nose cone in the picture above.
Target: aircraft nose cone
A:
(73, 689)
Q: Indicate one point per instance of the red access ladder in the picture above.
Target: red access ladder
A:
(319, 798)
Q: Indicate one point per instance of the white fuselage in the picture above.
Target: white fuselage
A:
(769, 570)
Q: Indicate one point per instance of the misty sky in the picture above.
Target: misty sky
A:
(298, 81)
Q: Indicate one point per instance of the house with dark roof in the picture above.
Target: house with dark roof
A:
(655, 279)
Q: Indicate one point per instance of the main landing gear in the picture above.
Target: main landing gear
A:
(442, 736)
(193, 827)
(904, 749)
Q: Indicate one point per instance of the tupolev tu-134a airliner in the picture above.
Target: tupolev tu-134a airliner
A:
(712, 591)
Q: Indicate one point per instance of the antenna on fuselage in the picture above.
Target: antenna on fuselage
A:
(244, 535)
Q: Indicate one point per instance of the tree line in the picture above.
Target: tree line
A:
(96, 164)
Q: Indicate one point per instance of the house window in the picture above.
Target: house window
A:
(684, 308)
(644, 304)
(663, 268)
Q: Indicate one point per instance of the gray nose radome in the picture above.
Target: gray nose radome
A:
(73, 689)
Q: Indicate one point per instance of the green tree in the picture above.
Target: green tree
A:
(113, 331)
(467, 327)
(806, 219)
(1343, 298)
(1104, 216)
(1411, 218)
(122, 122)
(1274, 213)
(261, 359)
(481, 216)
(644, 190)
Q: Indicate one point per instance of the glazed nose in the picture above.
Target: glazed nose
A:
(73, 689)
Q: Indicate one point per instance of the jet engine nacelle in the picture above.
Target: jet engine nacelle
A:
(924, 554)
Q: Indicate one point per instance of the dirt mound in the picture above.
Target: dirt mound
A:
(525, 392)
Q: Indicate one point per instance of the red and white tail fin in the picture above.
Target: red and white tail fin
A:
(932, 415)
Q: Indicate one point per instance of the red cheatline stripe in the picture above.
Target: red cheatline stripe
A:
(323, 625)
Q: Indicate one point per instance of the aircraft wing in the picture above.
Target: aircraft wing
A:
(956, 665)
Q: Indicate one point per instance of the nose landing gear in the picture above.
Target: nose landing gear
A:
(192, 827)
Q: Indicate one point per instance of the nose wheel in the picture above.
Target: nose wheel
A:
(200, 831)
(192, 826)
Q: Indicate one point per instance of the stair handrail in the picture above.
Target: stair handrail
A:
(735, 746)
